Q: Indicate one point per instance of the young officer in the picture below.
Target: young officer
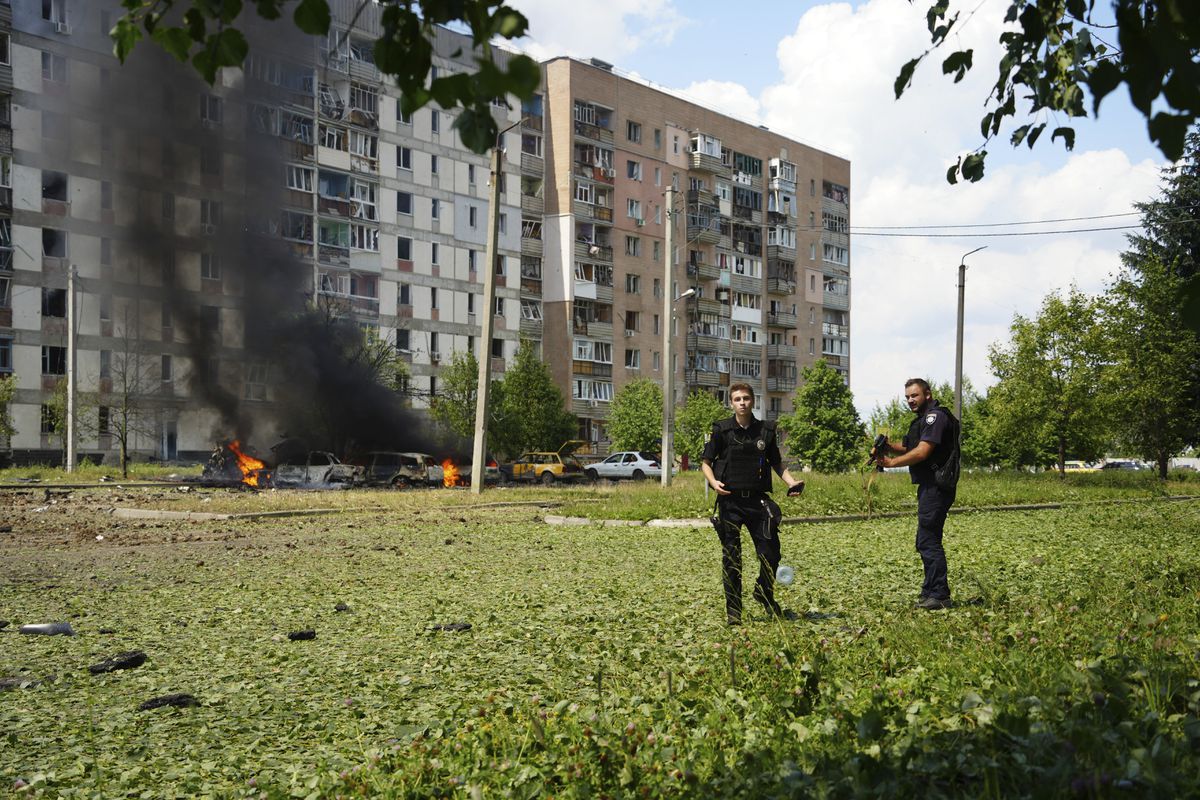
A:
(737, 463)
(930, 441)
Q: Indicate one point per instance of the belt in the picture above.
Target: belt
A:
(755, 493)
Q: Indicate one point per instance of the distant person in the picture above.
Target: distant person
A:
(930, 451)
(737, 463)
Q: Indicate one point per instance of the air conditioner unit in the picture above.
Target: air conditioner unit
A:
(629, 333)
(435, 357)
(609, 172)
(591, 403)
(208, 229)
(63, 27)
(640, 222)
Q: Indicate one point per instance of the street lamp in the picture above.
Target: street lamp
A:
(488, 318)
(958, 349)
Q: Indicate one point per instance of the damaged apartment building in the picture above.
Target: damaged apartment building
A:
(155, 190)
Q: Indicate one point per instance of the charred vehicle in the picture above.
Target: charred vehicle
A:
(315, 468)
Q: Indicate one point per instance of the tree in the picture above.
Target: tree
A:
(693, 422)
(86, 417)
(454, 405)
(1155, 374)
(1050, 384)
(635, 418)
(824, 431)
(132, 380)
(206, 32)
(8, 388)
(978, 447)
(533, 413)
(1059, 48)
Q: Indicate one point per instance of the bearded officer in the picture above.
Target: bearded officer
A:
(737, 463)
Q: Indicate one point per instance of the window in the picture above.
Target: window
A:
(54, 360)
(404, 204)
(471, 257)
(106, 251)
(167, 319)
(210, 266)
(364, 145)
(633, 208)
(211, 110)
(364, 98)
(363, 200)
(658, 176)
(47, 420)
(210, 212)
(4, 58)
(433, 298)
(333, 138)
(503, 222)
(470, 173)
(531, 143)
(657, 325)
(54, 68)
(434, 124)
(54, 187)
(435, 208)
(531, 309)
(657, 250)
(633, 170)
(433, 165)
(54, 126)
(299, 178)
(633, 359)
(470, 304)
(54, 302)
(404, 294)
(54, 243)
(401, 117)
(168, 372)
(633, 284)
(472, 216)
(433, 253)
(633, 132)
(658, 138)
(404, 158)
(364, 237)
(631, 321)
(168, 205)
(497, 348)
(499, 309)
(256, 381)
(633, 246)
(404, 248)
(296, 226)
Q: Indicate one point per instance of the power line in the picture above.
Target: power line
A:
(991, 224)
(994, 235)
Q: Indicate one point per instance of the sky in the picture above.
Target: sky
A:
(822, 73)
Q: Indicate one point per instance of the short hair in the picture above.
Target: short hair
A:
(741, 387)
(924, 384)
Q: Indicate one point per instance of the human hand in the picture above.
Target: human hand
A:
(795, 489)
(719, 488)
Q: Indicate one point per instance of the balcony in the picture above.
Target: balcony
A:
(531, 286)
(837, 238)
(531, 328)
(831, 300)
(830, 329)
(783, 351)
(781, 252)
(591, 368)
(837, 362)
(782, 319)
(590, 252)
(747, 214)
(532, 165)
(746, 349)
(704, 271)
(701, 197)
(605, 175)
(708, 305)
(594, 409)
(783, 384)
(332, 254)
(703, 229)
(781, 285)
(702, 377)
(703, 162)
(333, 206)
(532, 205)
(593, 132)
(704, 341)
(592, 211)
(744, 283)
(531, 122)
(5, 199)
(531, 247)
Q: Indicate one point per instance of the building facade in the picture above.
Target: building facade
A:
(144, 186)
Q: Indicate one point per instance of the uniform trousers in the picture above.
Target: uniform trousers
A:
(761, 516)
(933, 504)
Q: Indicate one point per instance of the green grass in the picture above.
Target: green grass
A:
(89, 473)
(597, 663)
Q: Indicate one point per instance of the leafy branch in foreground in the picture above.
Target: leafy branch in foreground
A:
(206, 33)
(1054, 50)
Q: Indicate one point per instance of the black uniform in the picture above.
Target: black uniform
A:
(742, 459)
(934, 425)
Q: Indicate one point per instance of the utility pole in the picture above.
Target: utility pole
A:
(668, 456)
(958, 348)
(483, 389)
(70, 465)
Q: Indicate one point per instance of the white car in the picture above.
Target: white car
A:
(626, 464)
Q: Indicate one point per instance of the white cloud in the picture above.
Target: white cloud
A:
(728, 97)
(606, 29)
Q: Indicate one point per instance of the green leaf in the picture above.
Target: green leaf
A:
(958, 63)
(985, 125)
(312, 16)
(1034, 134)
(952, 173)
(226, 48)
(477, 128)
(1103, 78)
(1018, 135)
(1168, 131)
(125, 34)
(509, 23)
(1068, 136)
(904, 79)
(972, 166)
(175, 41)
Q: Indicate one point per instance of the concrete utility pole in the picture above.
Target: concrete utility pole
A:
(958, 348)
(70, 465)
(668, 455)
(483, 389)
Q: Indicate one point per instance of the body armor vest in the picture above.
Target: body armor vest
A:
(745, 465)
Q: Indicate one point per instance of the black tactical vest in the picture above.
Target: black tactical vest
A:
(743, 462)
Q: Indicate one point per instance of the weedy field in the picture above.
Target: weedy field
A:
(596, 662)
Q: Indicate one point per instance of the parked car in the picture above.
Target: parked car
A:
(630, 464)
(316, 468)
(1123, 464)
(1080, 466)
(546, 467)
(398, 470)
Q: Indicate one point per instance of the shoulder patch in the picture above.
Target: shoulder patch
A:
(930, 419)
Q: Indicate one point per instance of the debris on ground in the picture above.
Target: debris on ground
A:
(48, 629)
(452, 627)
(302, 636)
(180, 700)
(126, 660)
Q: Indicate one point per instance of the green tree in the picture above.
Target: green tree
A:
(207, 33)
(824, 431)
(693, 422)
(533, 411)
(86, 415)
(1058, 49)
(635, 418)
(1155, 374)
(453, 407)
(1049, 389)
(978, 448)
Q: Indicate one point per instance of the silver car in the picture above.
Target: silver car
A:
(630, 464)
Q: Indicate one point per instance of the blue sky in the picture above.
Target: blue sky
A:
(822, 73)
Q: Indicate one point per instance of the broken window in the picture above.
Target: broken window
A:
(297, 128)
(210, 212)
(54, 302)
(103, 426)
(364, 285)
(364, 237)
(263, 119)
(404, 248)
(54, 360)
(404, 204)
(299, 178)
(54, 185)
(47, 420)
(333, 234)
(334, 138)
(364, 145)
(54, 11)
(256, 381)
(4, 58)
(333, 184)
(210, 266)
(168, 372)
(364, 98)
(210, 318)
(296, 226)
(211, 110)
(363, 199)
(362, 50)
(330, 102)
(54, 243)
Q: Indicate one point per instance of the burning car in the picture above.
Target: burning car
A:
(402, 470)
(316, 468)
(231, 465)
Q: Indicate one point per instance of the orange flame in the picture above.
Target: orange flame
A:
(450, 475)
(249, 465)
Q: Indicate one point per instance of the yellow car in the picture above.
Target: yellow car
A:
(546, 467)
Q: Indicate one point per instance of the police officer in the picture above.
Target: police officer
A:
(737, 463)
(931, 440)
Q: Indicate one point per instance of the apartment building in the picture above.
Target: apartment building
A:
(158, 192)
(761, 236)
